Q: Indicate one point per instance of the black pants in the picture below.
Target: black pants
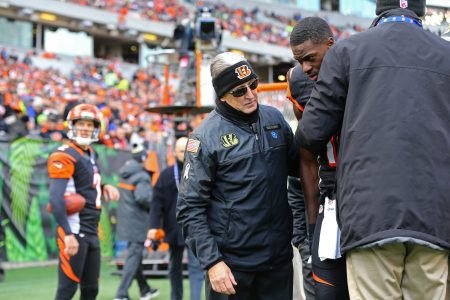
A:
(274, 284)
(196, 274)
(133, 270)
(330, 275)
(82, 268)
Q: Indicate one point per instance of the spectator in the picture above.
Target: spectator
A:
(53, 129)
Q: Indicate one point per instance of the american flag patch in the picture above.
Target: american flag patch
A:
(193, 146)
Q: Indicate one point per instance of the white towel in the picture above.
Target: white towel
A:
(330, 234)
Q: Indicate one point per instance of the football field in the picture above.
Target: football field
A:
(39, 283)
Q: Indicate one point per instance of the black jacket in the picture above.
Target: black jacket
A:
(232, 203)
(135, 189)
(163, 208)
(387, 89)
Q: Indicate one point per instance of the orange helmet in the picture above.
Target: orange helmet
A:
(84, 112)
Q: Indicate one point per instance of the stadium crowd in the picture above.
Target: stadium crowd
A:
(34, 102)
(255, 25)
(156, 10)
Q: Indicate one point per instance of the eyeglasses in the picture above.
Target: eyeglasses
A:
(243, 90)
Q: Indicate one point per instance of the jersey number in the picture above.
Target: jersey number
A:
(98, 187)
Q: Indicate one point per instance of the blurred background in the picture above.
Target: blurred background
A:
(145, 65)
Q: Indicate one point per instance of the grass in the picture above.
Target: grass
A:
(39, 283)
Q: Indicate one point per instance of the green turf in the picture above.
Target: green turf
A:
(40, 283)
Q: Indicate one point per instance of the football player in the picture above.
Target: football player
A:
(73, 168)
(310, 40)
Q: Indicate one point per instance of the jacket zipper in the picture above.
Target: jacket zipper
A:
(255, 131)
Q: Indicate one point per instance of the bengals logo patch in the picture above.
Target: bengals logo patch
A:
(243, 71)
(229, 140)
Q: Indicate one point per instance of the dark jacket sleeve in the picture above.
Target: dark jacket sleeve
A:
(324, 113)
(157, 205)
(143, 192)
(194, 196)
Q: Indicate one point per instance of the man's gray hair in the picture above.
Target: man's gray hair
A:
(223, 61)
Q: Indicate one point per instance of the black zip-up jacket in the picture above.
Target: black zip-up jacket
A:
(389, 90)
(232, 203)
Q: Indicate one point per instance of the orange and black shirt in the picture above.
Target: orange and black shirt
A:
(73, 170)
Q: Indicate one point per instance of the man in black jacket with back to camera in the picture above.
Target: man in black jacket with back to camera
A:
(387, 91)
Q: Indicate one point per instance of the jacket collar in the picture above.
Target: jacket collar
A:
(395, 12)
(228, 112)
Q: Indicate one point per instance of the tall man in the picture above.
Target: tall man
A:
(233, 205)
(163, 216)
(73, 168)
(310, 40)
(388, 97)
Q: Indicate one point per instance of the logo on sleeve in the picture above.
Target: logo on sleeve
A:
(229, 140)
(243, 71)
(186, 171)
(57, 164)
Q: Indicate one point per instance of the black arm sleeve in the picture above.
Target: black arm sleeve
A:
(57, 189)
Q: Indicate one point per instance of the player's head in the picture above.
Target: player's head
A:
(235, 82)
(310, 40)
(180, 147)
(417, 6)
(84, 124)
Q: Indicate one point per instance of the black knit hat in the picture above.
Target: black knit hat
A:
(233, 76)
(138, 152)
(417, 6)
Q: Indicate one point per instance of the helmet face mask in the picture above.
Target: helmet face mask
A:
(84, 112)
